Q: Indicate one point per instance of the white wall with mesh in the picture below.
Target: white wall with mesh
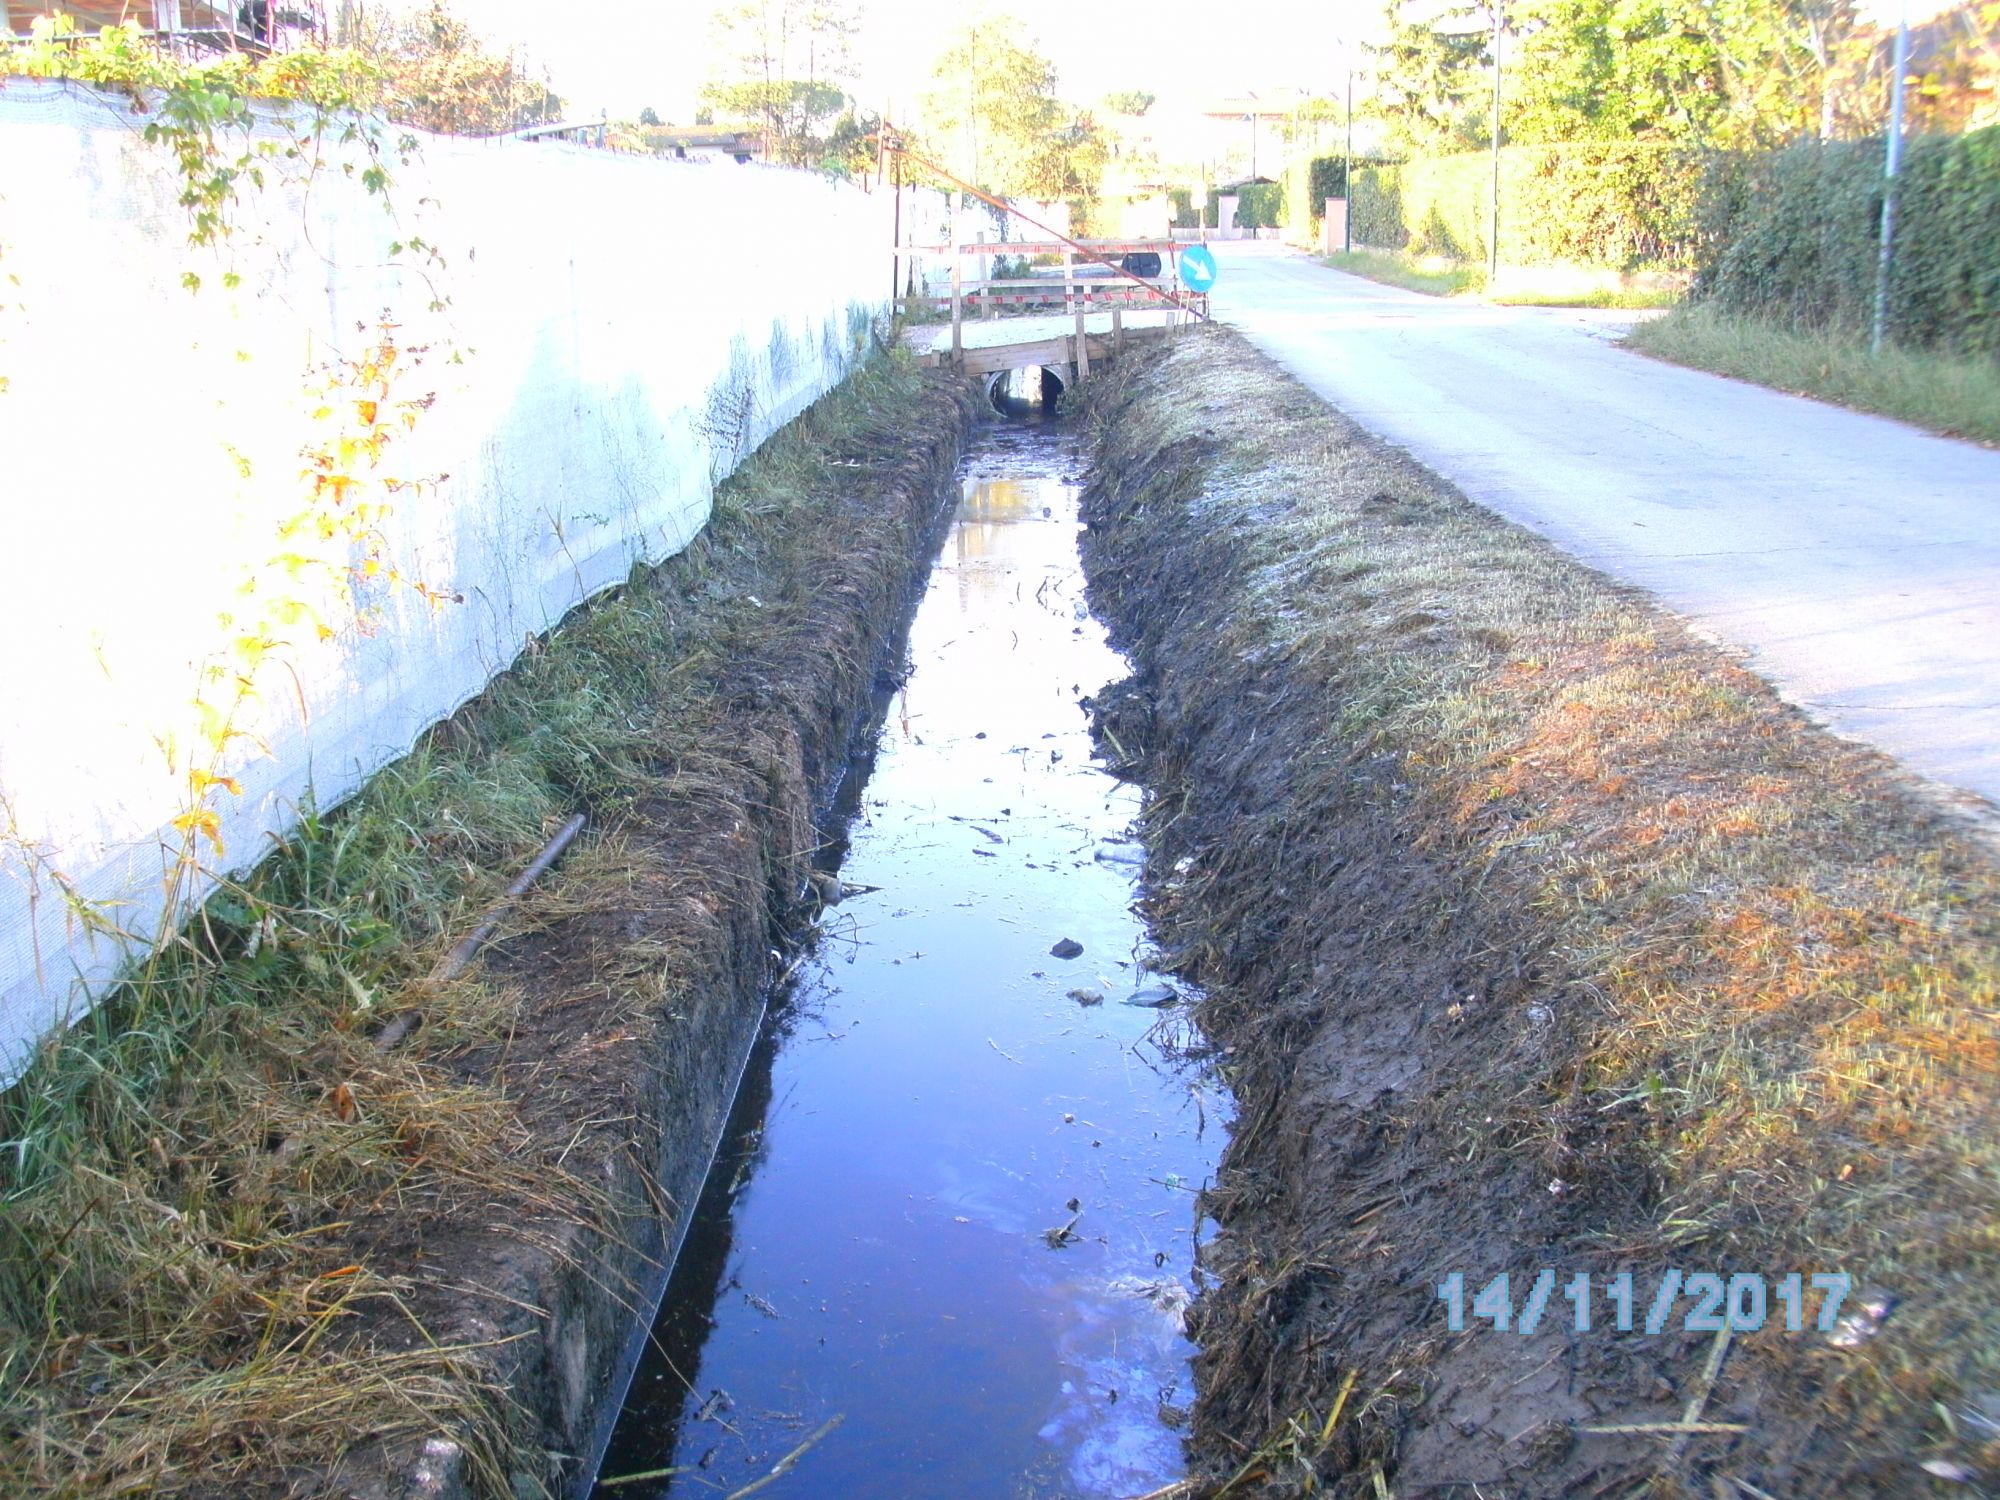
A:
(615, 334)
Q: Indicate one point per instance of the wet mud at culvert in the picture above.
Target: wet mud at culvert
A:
(949, 1245)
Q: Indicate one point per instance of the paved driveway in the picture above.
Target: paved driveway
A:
(1855, 561)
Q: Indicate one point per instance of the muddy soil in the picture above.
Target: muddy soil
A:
(641, 996)
(1402, 1030)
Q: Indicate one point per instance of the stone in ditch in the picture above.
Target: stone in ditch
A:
(1087, 997)
(1153, 996)
(1067, 948)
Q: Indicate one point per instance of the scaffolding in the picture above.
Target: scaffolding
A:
(247, 26)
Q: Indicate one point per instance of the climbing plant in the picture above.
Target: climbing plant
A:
(234, 126)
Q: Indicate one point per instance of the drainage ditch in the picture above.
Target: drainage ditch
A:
(948, 1244)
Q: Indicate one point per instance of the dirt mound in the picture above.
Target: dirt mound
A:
(1541, 938)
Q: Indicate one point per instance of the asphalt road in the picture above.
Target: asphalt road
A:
(1854, 561)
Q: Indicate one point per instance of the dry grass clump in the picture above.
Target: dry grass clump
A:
(1727, 982)
(208, 1188)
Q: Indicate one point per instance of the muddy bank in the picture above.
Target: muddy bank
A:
(644, 997)
(1542, 938)
(273, 1258)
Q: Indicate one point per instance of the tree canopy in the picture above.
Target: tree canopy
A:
(787, 75)
(995, 118)
(1729, 73)
(442, 75)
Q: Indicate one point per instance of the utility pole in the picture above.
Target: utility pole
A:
(1347, 160)
(1892, 165)
(1493, 221)
(1497, 10)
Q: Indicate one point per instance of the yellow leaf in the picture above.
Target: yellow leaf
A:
(203, 780)
(202, 822)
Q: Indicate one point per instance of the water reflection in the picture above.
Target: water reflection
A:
(940, 1108)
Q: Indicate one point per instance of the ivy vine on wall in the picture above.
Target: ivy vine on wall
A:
(233, 126)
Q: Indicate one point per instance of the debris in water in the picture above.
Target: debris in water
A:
(1087, 997)
(1121, 854)
(1067, 948)
(761, 1305)
(1063, 1234)
(1153, 996)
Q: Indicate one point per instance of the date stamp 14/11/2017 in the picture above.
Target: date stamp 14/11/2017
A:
(1708, 1302)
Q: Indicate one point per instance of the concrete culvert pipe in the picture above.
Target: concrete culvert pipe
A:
(1020, 393)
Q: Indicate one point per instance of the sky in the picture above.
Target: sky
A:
(625, 55)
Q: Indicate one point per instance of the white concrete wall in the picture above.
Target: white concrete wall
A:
(620, 333)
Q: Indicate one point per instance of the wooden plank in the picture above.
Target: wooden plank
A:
(1115, 294)
(996, 358)
(1110, 249)
(1056, 352)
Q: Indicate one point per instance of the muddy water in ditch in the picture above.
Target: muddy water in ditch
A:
(947, 1247)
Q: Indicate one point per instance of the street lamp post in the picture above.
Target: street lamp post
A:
(1493, 219)
(1347, 162)
(1892, 164)
(1497, 10)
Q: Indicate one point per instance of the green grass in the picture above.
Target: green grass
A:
(1958, 395)
(1398, 270)
(175, 1292)
(1543, 288)
(1634, 298)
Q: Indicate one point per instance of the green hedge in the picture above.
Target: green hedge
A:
(1309, 182)
(1375, 207)
(1618, 205)
(1186, 215)
(1792, 236)
(1259, 205)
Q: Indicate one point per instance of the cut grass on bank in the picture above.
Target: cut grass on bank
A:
(1524, 287)
(1442, 279)
(1539, 934)
(196, 1178)
(1958, 395)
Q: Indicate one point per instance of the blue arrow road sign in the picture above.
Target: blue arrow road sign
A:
(1198, 268)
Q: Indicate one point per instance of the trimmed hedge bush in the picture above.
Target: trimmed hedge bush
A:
(1591, 203)
(1309, 182)
(1792, 236)
(1259, 205)
(1789, 236)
